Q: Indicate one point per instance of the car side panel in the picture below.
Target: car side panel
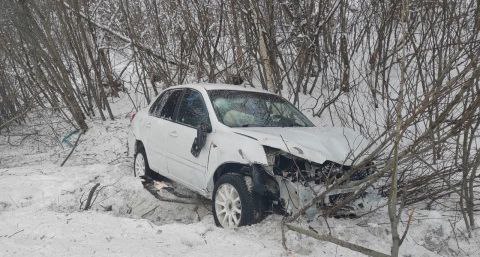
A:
(147, 129)
(137, 126)
(229, 147)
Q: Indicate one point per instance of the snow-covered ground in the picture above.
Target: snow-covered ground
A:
(41, 214)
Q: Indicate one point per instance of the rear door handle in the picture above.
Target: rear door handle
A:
(148, 124)
(173, 134)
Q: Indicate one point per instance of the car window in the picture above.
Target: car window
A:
(193, 111)
(159, 103)
(168, 110)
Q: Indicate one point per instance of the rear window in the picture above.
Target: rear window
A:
(159, 103)
(168, 110)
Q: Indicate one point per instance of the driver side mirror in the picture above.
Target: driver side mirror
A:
(205, 127)
(199, 142)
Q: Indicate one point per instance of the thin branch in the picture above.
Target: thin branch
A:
(73, 149)
(331, 239)
(123, 38)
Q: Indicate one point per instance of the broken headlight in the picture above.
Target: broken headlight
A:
(300, 170)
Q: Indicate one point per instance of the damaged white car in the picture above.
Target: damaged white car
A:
(248, 150)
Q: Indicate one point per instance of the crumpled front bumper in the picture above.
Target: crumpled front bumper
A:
(295, 196)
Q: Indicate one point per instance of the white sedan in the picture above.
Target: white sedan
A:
(248, 150)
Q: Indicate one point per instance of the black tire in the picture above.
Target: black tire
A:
(245, 192)
(148, 171)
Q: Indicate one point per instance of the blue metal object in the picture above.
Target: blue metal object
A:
(66, 139)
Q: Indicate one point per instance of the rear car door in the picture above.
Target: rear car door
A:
(160, 115)
(182, 164)
(152, 139)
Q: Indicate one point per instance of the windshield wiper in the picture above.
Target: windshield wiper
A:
(250, 125)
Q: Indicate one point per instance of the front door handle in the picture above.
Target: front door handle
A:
(148, 124)
(173, 134)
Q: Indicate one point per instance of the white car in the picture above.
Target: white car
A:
(248, 150)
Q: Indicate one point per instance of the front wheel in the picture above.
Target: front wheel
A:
(233, 203)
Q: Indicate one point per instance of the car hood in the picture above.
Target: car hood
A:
(337, 144)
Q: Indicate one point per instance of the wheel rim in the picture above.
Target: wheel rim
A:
(139, 165)
(228, 206)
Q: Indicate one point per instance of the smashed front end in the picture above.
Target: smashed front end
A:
(299, 180)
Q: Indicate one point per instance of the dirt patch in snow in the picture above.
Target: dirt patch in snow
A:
(120, 194)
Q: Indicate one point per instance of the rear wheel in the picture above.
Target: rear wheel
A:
(140, 167)
(233, 203)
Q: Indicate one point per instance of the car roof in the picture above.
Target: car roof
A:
(219, 86)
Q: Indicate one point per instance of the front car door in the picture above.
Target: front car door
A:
(182, 164)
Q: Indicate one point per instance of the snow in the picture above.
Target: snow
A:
(40, 212)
